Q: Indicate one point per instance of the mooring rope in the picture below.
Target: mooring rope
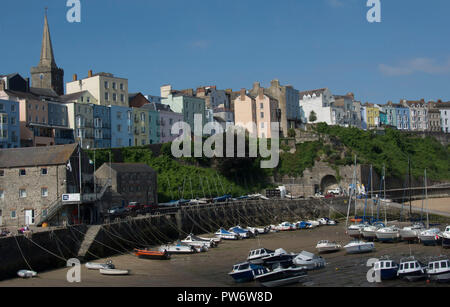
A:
(44, 249)
(23, 256)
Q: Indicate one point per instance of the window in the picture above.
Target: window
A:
(119, 128)
(22, 172)
(13, 108)
(44, 192)
(142, 117)
(106, 96)
(2, 194)
(44, 212)
(114, 97)
(88, 99)
(106, 84)
(114, 85)
(22, 193)
(2, 173)
(121, 86)
(122, 97)
(13, 214)
(262, 106)
(44, 171)
(262, 114)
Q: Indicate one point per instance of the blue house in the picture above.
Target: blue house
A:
(102, 126)
(121, 126)
(9, 124)
(402, 114)
(58, 119)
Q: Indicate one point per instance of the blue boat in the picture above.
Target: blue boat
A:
(302, 225)
(222, 198)
(386, 269)
(246, 272)
(227, 235)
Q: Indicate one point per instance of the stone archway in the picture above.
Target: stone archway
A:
(328, 182)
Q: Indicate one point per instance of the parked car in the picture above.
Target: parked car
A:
(335, 191)
(116, 210)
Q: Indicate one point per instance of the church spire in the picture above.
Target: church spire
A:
(47, 57)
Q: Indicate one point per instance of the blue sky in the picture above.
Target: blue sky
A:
(233, 43)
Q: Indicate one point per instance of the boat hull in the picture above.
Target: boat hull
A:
(114, 272)
(430, 240)
(359, 249)
(156, 255)
(446, 242)
(387, 237)
(282, 278)
(388, 274)
(412, 276)
(243, 276)
(441, 277)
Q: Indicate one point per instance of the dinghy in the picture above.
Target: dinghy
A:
(114, 272)
(98, 266)
(26, 273)
(309, 261)
(149, 254)
(325, 246)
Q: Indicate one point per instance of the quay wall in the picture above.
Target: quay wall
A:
(47, 249)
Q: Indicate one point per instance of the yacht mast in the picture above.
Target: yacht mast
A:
(426, 199)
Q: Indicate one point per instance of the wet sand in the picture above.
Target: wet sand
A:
(210, 269)
(434, 204)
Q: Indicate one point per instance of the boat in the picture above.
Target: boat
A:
(258, 230)
(430, 236)
(323, 221)
(98, 266)
(411, 233)
(325, 246)
(446, 237)
(227, 235)
(281, 276)
(114, 272)
(358, 247)
(411, 270)
(178, 248)
(355, 230)
(385, 269)
(309, 261)
(369, 232)
(197, 242)
(312, 224)
(244, 233)
(26, 273)
(256, 255)
(439, 270)
(285, 226)
(388, 234)
(302, 225)
(247, 271)
(149, 254)
(278, 256)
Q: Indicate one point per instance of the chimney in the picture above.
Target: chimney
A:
(2, 85)
(275, 83)
(243, 93)
(256, 86)
(261, 92)
(75, 77)
(90, 73)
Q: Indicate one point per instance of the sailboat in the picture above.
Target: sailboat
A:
(354, 230)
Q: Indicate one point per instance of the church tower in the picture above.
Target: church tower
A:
(47, 74)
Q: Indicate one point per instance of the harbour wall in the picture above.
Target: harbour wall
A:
(49, 249)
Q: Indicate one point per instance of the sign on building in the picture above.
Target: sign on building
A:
(71, 197)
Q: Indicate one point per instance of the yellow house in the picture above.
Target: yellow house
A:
(140, 119)
(372, 115)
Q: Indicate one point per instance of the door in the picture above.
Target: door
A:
(1, 220)
(29, 217)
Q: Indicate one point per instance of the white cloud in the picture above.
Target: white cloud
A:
(416, 65)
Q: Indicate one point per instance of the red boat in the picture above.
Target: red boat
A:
(148, 254)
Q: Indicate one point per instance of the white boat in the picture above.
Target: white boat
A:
(255, 256)
(189, 240)
(213, 241)
(216, 240)
(114, 272)
(325, 246)
(439, 270)
(98, 266)
(446, 237)
(430, 236)
(227, 235)
(26, 273)
(312, 224)
(309, 261)
(388, 234)
(411, 233)
(258, 230)
(411, 270)
(369, 232)
(323, 221)
(179, 248)
(354, 230)
(358, 247)
(243, 233)
(281, 276)
(285, 226)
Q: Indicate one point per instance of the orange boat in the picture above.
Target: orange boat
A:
(356, 220)
(148, 254)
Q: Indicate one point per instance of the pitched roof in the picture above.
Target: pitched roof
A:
(36, 156)
(72, 97)
(311, 92)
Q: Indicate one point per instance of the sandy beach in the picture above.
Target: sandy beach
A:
(210, 269)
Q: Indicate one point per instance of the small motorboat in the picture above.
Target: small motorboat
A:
(439, 270)
(278, 256)
(302, 225)
(98, 266)
(388, 234)
(256, 255)
(430, 237)
(386, 269)
(194, 241)
(246, 271)
(326, 221)
(152, 254)
(325, 246)
(258, 230)
(411, 233)
(369, 232)
(359, 247)
(411, 270)
(179, 248)
(312, 224)
(216, 240)
(26, 273)
(227, 235)
(281, 276)
(244, 233)
(114, 272)
(285, 226)
(309, 261)
(446, 237)
(354, 230)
